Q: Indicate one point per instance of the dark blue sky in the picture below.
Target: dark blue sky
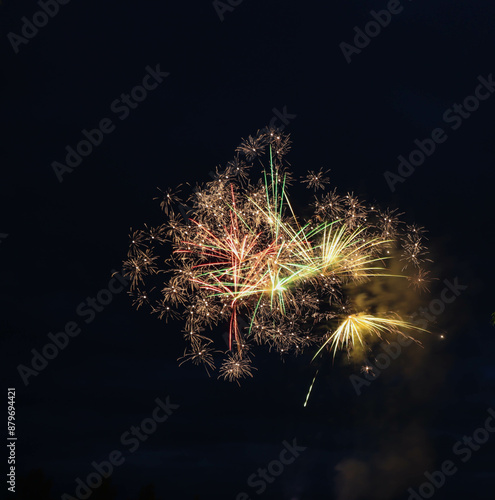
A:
(226, 78)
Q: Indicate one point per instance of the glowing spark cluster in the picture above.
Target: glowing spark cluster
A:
(237, 254)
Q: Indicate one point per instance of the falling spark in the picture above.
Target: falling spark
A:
(310, 389)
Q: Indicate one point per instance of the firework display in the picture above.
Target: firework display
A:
(235, 253)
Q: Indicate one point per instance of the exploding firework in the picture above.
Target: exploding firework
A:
(238, 254)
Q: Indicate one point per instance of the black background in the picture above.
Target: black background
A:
(226, 78)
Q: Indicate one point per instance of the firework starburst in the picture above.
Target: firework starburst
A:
(241, 257)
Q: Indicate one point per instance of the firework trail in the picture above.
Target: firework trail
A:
(243, 255)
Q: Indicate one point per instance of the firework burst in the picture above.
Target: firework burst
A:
(240, 256)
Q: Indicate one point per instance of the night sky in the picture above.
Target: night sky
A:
(222, 72)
